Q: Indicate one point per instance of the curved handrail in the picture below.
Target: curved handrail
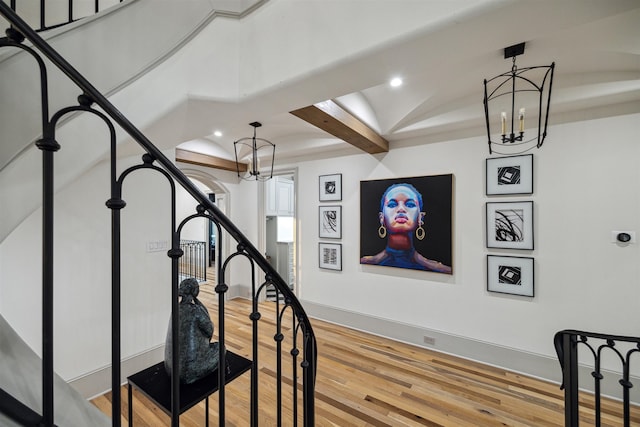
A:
(111, 111)
(21, 29)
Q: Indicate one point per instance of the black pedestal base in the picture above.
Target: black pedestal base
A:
(155, 384)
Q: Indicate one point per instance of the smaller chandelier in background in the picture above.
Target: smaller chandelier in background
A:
(251, 149)
(512, 97)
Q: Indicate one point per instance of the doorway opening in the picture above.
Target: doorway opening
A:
(201, 231)
(280, 229)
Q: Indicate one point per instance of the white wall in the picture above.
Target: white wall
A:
(241, 206)
(82, 257)
(197, 229)
(585, 177)
(586, 181)
(82, 273)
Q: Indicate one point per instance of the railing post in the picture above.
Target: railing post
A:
(626, 387)
(175, 253)
(48, 146)
(570, 377)
(309, 379)
(43, 13)
(221, 289)
(116, 204)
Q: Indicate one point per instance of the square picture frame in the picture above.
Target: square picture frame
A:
(510, 225)
(509, 175)
(431, 235)
(330, 187)
(330, 256)
(510, 275)
(330, 222)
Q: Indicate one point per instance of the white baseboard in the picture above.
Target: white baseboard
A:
(99, 381)
(540, 366)
(527, 363)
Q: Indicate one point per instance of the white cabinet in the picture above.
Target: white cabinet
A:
(280, 197)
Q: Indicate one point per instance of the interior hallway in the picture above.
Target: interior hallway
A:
(365, 380)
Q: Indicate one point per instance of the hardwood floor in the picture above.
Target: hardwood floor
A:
(365, 380)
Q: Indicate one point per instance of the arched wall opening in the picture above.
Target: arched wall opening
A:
(200, 229)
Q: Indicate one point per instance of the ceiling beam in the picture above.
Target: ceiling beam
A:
(332, 118)
(191, 157)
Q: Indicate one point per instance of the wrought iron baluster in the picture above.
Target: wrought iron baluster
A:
(566, 343)
(112, 116)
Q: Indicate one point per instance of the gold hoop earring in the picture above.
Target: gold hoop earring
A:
(420, 233)
(382, 232)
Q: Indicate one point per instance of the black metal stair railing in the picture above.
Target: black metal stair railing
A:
(302, 351)
(598, 346)
(68, 11)
(193, 262)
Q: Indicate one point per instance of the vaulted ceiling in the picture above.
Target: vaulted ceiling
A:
(595, 45)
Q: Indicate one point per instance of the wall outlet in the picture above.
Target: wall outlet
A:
(429, 340)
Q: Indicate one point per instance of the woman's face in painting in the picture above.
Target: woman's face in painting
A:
(401, 210)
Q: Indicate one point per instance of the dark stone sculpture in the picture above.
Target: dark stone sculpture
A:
(198, 356)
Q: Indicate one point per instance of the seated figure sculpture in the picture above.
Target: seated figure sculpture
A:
(198, 357)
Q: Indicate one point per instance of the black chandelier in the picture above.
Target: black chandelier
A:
(512, 94)
(250, 149)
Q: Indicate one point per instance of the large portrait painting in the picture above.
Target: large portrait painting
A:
(406, 223)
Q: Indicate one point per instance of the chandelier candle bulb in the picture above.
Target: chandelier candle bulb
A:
(521, 119)
(504, 122)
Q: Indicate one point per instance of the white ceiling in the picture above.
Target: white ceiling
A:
(595, 45)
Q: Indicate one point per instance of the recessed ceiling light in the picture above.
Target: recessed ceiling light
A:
(217, 133)
(395, 82)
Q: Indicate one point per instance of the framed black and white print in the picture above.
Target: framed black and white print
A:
(510, 225)
(331, 222)
(330, 187)
(330, 256)
(510, 175)
(510, 275)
